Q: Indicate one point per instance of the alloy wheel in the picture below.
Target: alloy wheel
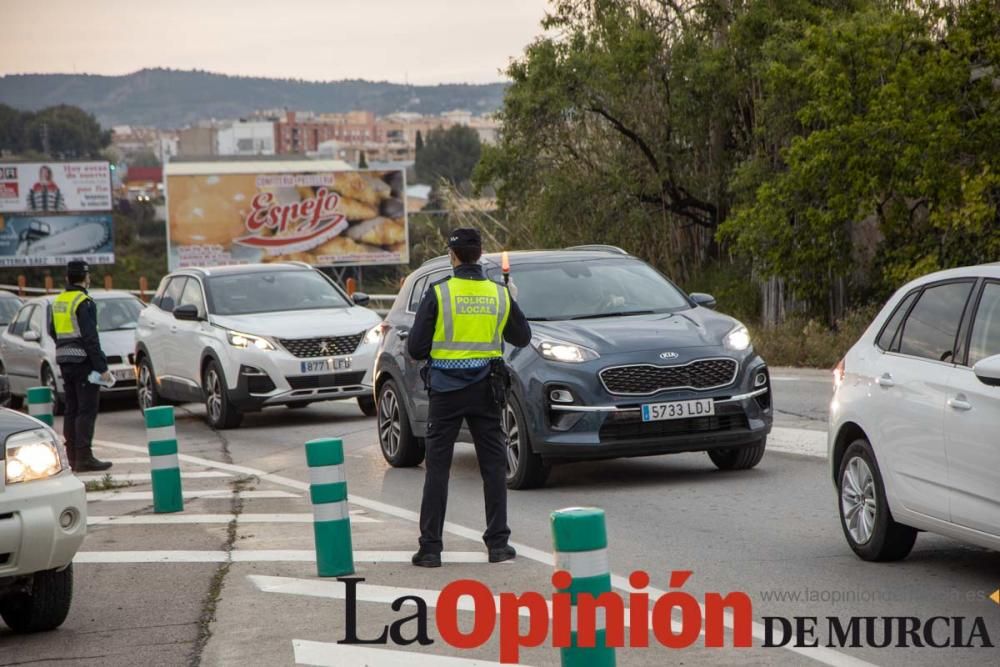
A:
(857, 499)
(145, 385)
(513, 431)
(388, 423)
(213, 396)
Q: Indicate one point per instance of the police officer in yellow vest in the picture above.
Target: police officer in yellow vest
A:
(459, 326)
(78, 352)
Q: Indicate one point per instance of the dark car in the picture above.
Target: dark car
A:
(622, 363)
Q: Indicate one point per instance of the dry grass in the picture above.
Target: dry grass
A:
(810, 343)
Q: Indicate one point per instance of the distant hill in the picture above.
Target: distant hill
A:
(172, 98)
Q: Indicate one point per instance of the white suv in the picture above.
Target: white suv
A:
(913, 424)
(43, 520)
(241, 338)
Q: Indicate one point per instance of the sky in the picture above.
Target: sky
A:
(420, 41)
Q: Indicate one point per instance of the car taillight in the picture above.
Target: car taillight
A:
(838, 374)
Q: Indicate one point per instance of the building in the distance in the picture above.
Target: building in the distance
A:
(246, 137)
(198, 141)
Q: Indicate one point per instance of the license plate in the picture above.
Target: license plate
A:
(654, 412)
(123, 374)
(326, 365)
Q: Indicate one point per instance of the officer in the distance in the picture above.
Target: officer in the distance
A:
(459, 326)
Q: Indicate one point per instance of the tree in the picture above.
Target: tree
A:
(65, 132)
(362, 161)
(420, 141)
(12, 135)
(448, 155)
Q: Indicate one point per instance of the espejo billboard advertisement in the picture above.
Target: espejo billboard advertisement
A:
(53, 240)
(55, 187)
(232, 213)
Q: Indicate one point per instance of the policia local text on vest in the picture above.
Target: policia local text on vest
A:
(78, 352)
(460, 326)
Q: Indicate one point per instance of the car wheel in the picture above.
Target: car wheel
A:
(219, 410)
(45, 608)
(864, 510)
(145, 384)
(49, 380)
(525, 469)
(400, 448)
(738, 458)
(367, 405)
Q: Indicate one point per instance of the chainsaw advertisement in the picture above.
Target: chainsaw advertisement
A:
(53, 240)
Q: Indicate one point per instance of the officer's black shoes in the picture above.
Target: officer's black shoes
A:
(90, 464)
(501, 554)
(424, 559)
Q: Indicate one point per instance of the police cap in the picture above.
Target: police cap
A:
(465, 237)
(77, 270)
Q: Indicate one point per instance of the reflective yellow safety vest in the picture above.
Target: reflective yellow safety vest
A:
(471, 316)
(66, 326)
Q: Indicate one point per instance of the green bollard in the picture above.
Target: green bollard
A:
(40, 404)
(581, 544)
(331, 520)
(164, 464)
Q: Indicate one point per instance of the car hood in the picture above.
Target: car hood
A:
(120, 342)
(697, 327)
(301, 323)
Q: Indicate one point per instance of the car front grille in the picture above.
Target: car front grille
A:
(647, 379)
(324, 380)
(336, 346)
(629, 426)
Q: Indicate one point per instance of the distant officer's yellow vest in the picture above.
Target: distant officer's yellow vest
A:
(471, 317)
(64, 314)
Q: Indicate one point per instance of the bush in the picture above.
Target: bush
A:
(810, 343)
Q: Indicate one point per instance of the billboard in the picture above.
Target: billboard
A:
(55, 187)
(273, 213)
(53, 240)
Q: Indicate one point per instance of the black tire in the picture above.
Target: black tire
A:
(887, 540)
(738, 458)
(220, 413)
(525, 468)
(145, 386)
(400, 448)
(368, 405)
(45, 608)
(48, 379)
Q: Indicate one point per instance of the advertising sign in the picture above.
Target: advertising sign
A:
(53, 240)
(55, 187)
(323, 218)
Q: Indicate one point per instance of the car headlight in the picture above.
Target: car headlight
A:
(738, 339)
(374, 334)
(557, 350)
(242, 340)
(32, 455)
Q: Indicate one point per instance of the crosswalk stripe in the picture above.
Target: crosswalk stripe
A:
(262, 556)
(96, 496)
(145, 476)
(323, 654)
(152, 519)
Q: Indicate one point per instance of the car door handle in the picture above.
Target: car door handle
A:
(173, 329)
(959, 403)
(885, 381)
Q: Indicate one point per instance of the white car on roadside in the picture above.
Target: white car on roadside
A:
(43, 520)
(28, 351)
(242, 338)
(913, 442)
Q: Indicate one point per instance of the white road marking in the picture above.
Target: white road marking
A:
(153, 519)
(96, 496)
(800, 441)
(126, 460)
(145, 476)
(819, 654)
(262, 556)
(322, 654)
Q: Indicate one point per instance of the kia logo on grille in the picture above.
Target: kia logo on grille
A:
(668, 355)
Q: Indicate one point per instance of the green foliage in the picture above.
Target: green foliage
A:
(810, 342)
(448, 155)
(67, 131)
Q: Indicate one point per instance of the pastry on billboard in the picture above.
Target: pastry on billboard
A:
(394, 179)
(392, 208)
(378, 231)
(340, 245)
(362, 187)
(209, 209)
(355, 210)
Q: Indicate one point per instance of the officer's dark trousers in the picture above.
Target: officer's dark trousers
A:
(475, 404)
(82, 405)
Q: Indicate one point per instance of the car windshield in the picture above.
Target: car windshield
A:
(117, 314)
(8, 308)
(601, 288)
(246, 293)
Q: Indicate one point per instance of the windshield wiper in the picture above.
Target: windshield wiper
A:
(620, 314)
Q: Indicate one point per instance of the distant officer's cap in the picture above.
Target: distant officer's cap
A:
(77, 269)
(465, 238)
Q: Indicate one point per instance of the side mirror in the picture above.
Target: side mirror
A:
(187, 312)
(32, 336)
(702, 299)
(361, 299)
(988, 370)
